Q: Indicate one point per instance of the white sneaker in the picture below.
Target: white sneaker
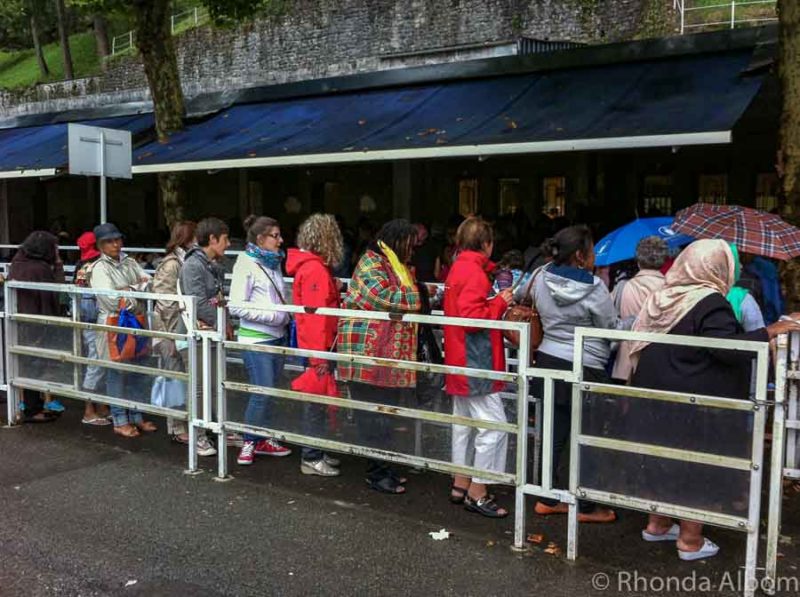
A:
(318, 467)
(205, 447)
(331, 461)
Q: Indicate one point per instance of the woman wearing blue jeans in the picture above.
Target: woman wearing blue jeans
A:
(258, 283)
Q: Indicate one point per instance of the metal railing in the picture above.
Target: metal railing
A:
(702, 15)
(620, 445)
(187, 19)
(55, 359)
(50, 354)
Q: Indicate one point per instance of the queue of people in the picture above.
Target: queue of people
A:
(697, 296)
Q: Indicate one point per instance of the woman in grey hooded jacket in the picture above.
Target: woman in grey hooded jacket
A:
(568, 295)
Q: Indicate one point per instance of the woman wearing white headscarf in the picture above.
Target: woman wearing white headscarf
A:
(693, 303)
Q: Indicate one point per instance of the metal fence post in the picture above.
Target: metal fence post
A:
(733, 14)
(192, 410)
(11, 332)
(77, 336)
(221, 396)
(523, 363)
(574, 466)
(757, 461)
(776, 468)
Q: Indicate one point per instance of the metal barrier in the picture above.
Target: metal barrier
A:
(607, 442)
(46, 354)
(226, 385)
(785, 444)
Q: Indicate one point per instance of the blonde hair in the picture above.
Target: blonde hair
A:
(320, 235)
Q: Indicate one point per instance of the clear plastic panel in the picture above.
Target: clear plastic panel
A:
(382, 431)
(674, 425)
(675, 482)
(42, 335)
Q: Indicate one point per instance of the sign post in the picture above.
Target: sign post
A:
(96, 151)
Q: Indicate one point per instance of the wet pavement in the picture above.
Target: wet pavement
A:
(87, 513)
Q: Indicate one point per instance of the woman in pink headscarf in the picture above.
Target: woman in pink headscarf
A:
(693, 303)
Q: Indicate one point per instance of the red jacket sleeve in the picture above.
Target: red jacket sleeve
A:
(316, 332)
(473, 304)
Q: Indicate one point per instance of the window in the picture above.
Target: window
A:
(767, 191)
(713, 188)
(468, 197)
(555, 195)
(509, 195)
(657, 195)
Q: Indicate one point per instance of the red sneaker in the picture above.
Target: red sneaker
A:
(269, 447)
(246, 454)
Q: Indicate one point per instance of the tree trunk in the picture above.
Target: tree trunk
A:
(154, 42)
(788, 159)
(101, 35)
(63, 35)
(37, 48)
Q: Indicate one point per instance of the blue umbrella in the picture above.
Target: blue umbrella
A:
(620, 245)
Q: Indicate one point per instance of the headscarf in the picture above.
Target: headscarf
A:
(703, 268)
(400, 270)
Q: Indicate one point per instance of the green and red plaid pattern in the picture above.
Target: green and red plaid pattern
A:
(375, 287)
(752, 231)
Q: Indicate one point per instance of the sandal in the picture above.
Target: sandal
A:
(386, 484)
(180, 438)
(708, 550)
(128, 431)
(147, 426)
(485, 506)
(462, 493)
(96, 420)
(41, 417)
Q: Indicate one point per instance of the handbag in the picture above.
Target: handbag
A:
(127, 347)
(168, 393)
(526, 314)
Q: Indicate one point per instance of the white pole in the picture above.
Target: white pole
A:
(103, 211)
(733, 14)
(195, 16)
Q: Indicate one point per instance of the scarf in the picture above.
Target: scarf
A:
(400, 270)
(705, 267)
(269, 259)
(736, 294)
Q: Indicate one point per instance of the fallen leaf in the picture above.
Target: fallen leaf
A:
(535, 538)
(490, 544)
(130, 583)
(440, 535)
(552, 549)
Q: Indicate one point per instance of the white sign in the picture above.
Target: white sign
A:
(95, 151)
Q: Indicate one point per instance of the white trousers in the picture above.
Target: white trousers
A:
(491, 447)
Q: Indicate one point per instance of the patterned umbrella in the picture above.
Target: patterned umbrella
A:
(752, 231)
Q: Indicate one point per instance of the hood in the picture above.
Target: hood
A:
(568, 285)
(297, 258)
(88, 246)
(197, 251)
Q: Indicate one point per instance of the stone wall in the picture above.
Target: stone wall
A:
(323, 38)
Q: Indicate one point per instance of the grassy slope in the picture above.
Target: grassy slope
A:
(19, 69)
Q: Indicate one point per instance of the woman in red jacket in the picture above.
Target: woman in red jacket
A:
(319, 242)
(466, 295)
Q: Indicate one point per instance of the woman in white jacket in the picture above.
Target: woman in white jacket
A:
(257, 283)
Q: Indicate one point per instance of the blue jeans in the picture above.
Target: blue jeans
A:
(131, 386)
(263, 369)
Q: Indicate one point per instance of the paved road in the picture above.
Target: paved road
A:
(85, 513)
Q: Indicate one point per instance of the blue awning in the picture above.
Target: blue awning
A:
(40, 150)
(689, 100)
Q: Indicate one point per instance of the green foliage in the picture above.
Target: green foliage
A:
(19, 69)
(231, 12)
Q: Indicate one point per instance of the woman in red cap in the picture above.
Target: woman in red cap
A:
(94, 375)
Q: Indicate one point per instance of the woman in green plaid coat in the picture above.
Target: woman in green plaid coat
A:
(382, 281)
